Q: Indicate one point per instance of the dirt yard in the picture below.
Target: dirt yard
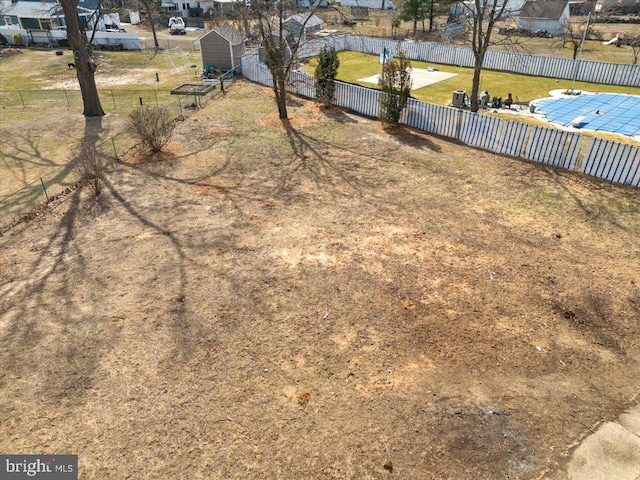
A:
(31, 145)
(320, 300)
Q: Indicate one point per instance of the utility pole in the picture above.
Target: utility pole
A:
(584, 36)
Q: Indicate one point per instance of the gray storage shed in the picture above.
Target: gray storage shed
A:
(222, 48)
(303, 24)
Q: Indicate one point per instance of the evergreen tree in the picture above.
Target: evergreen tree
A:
(395, 87)
(326, 72)
(413, 10)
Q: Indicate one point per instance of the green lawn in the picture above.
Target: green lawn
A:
(356, 65)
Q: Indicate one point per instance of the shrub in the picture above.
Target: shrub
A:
(90, 167)
(17, 40)
(326, 72)
(395, 88)
(153, 126)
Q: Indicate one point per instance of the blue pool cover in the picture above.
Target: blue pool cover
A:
(611, 112)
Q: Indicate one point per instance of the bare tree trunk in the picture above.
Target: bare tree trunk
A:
(431, 16)
(85, 68)
(150, 12)
(281, 98)
(475, 86)
(152, 21)
(247, 27)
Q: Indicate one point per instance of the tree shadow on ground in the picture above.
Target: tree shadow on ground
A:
(310, 158)
(411, 137)
(55, 272)
(21, 154)
(338, 114)
(598, 210)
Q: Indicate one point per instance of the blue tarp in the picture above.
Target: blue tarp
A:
(610, 112)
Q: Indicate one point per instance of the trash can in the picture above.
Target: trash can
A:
(532, 108)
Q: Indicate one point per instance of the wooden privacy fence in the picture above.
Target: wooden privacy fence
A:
(552, 67)
(613, 161)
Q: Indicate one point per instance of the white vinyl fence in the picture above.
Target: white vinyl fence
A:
(552, 67)
(613, 161)
(128, 41)
(605, 159)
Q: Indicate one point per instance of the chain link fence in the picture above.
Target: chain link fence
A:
(185, 43)
(18, 206)
(15, 206)
(111, 100)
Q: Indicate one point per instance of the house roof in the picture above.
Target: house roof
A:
(40, 10)
(301, 18)
(544, 9)
(35, 10)
(618, 3)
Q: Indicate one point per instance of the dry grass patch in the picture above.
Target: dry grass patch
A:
(327, 301)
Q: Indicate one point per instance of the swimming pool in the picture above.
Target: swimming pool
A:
(610, 112)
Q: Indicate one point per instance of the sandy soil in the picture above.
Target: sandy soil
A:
(324, 299)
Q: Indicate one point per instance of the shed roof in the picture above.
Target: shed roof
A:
(227, 32)
(230, 33)
(544, 9)
(301, 18)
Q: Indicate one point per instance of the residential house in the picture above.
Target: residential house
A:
(622, 7)
(311, 3)
(549, 15)
(38, 15)
(207, 8)
(581, 8)
(303, 25)
(467, 8)
(378, 4)
(289, 44)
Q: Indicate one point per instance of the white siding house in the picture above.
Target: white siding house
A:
(549, 15)
(303, 25)
(379, 4)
